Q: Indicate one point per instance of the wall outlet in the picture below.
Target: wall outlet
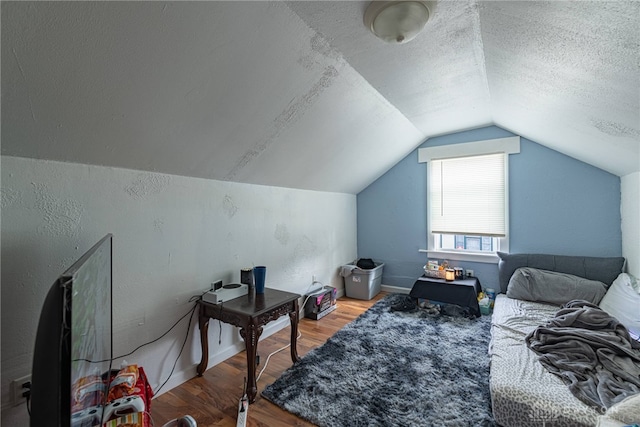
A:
(470, 273)
(17, 389)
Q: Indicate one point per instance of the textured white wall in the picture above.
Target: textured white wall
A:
(173, 236)
(630, 211)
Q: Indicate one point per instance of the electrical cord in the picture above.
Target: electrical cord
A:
(309, 295)
(299, 333)
(27, 395)
(181, 349)
(192, 299)
(196, 298)
(269, 357)
(220, 326)
(161, 336)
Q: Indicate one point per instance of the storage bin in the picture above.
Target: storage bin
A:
(363, 284)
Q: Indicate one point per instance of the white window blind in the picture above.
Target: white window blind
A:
(467, 195)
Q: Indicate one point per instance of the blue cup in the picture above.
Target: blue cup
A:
(259, 276)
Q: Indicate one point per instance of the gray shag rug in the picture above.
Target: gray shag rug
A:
(393, 369)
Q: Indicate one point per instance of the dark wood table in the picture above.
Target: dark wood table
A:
(463, 292)
(250, 313)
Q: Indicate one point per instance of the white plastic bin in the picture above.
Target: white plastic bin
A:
(363, 284)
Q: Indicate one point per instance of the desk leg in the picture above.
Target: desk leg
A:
(251, 334)
(203, 321)
(293, 316)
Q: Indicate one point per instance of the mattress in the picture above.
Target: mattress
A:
(523, 392)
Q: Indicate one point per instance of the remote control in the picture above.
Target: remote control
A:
(87, 417)
(243, 407)
(124, 405)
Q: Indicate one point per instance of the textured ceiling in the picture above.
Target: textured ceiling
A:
(301, 95)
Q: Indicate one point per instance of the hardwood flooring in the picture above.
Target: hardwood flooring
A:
(212, 400)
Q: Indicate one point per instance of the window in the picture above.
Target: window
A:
(467, 198)
(468, 243)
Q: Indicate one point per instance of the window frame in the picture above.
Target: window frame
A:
(508, 145)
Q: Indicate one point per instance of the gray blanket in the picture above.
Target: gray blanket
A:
(591, 352)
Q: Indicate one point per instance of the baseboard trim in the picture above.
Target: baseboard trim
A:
(395, 289)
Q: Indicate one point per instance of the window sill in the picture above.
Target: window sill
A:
(491, 258)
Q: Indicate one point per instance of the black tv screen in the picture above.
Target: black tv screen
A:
(73, 348)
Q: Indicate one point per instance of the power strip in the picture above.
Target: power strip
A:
(243, 407)
(226, 293)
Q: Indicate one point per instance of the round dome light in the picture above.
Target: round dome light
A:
(398, 21)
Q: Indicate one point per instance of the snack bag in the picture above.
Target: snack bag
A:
(124, 383)
(86, 392)
(136, 419)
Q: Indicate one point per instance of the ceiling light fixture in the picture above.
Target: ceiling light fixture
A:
(398, 21)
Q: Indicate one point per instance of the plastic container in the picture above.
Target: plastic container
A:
(485, 306)
(491, 293)
(363, 284)
(485, 309)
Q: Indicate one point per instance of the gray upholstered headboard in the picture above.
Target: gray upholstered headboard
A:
(594, 268)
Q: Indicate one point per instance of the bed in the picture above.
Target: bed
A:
(523, 392)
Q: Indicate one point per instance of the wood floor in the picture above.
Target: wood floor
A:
(212, 400)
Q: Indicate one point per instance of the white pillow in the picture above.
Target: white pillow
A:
(622, 301)
(627, 411)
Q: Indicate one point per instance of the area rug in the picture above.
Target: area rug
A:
(393, 369)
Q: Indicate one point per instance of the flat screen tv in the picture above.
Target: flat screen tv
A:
(73, 348)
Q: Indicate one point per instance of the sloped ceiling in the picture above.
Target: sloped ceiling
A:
(302, 95)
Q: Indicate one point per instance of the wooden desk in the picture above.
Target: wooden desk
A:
(250, 313)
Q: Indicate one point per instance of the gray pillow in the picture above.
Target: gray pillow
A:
(532, 284)
(602, 269)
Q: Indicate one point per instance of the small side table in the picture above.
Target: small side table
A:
(463, 292)
(250, 313)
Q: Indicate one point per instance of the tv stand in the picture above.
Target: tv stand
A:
(250, 312)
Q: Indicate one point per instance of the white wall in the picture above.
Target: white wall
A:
(630, 211)
(173, 236)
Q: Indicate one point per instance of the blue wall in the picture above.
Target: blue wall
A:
(557, 205)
